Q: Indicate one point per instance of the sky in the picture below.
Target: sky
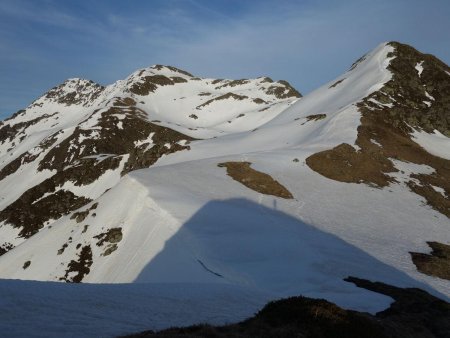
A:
(308, 43)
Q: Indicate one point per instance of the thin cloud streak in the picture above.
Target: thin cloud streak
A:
(307, 43)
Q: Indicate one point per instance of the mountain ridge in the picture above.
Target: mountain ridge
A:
(128, 182)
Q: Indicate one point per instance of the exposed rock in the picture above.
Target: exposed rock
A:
(5, 247)
(78, 269)
(113, 235)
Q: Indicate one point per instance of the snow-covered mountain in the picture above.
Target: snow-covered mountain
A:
(169, 178)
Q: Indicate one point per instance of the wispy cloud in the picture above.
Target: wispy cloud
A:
(306, 42)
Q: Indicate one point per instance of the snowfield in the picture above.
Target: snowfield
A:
(196, 245)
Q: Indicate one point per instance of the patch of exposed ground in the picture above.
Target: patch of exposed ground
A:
(173, 69)
(223, 97)
(387, 118)
(8, 132)
(79, 268)
(31, 211)
(5, 247)
(255, 180)
(83, 92)
(336, 83)
(414, 314)
(283, 92)
(437, 263)
(233, 83)
(148, 84)
(80, 216)
(315, 117)
(111, 237)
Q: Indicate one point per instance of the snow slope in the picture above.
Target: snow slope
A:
(185, 225)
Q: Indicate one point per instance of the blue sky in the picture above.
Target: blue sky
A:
(43, 42)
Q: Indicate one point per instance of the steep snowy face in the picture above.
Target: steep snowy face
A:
(243, 182)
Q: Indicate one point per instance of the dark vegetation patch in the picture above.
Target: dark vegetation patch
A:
(266, 80)
(113, 235)
(26, 264)
(234, 83)
(259, 101)
(414, 314)
(84, 92)
(80, 216)
(177, 79)
(283, 92)
(357, 62)
(204, 94)
(193, 116)
(255, 180)
(223, 97)
(149, 84)
(124, 102)
(80, 266)
(437, 263)
(391, 127)
(336, 83)
(11, 131)
(28, 157)
(216, 81)
(315, 117)
(173, 69)
(61, 251)
(31, 217)
(5, 247)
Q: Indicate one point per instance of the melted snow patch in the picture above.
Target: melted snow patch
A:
(436, 143)
(419, 68)
(429, 96)
(376, 143)
(406, 169)
(439, 190)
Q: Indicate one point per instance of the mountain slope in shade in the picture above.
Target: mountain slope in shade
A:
(241, 183)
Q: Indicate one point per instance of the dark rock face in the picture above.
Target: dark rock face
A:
(414, 314)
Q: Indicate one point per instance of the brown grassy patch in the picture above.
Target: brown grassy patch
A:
(437, 263)
(255, 180)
